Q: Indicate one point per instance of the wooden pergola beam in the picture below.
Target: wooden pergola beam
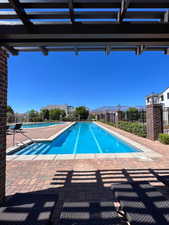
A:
(76, 51)
(44, 50)
(35, 4)
(16, 5)
(11, 50)
(166, 17)
(98, 29)
(123, 10)
(108, 50)
(134, 15)
(71, 11)
(140, 50)
(166, 51)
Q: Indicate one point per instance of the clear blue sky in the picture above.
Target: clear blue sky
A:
(91, 79)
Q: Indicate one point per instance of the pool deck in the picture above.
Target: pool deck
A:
(73, 175)
(36, 133)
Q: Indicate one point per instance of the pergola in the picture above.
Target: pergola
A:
(76, 25)
(84, 25)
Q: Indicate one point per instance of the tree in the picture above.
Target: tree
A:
(92, 116)
(132, 114)
(10, 114)
(81, 113)
(56, 114)
(9, 109)
(45, 114)
(34, 116)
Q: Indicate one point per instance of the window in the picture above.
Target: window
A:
(148, 100)
(162, 98)
(168, 95)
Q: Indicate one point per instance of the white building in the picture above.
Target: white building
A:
(67, 108)
(163, 99)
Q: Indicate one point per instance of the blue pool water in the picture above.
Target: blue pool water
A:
(83, 137)
(33, 125)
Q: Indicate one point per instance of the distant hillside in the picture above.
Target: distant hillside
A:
(114, 108)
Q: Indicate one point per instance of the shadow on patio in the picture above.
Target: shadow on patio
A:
(83, 198)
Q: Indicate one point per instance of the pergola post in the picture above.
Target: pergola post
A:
(3, 105)
(154, 121)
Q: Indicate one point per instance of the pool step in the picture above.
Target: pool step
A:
(35, 148)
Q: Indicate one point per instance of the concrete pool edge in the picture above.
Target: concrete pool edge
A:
(52, 125)
(146, 154)
(27, 142)
(51, 138)
(108, 156)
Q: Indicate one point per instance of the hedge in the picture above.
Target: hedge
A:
(164, 138)
(132, 127)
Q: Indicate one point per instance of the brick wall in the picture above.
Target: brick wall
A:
(3, 103)
(154, 121)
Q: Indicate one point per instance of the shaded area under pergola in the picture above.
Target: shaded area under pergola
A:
(84, 25)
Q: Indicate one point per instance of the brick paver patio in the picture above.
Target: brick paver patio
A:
(79, 174)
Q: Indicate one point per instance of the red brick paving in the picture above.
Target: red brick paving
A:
(26, 176)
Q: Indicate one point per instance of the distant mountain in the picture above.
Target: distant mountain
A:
(114, 108)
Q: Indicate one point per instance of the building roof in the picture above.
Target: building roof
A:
(164, 90)
(156, 94)
(152, 94)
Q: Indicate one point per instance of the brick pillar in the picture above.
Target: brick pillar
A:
(3, 104)
(154, 121)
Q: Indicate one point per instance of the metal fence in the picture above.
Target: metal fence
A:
(136, 116)
(165, 116)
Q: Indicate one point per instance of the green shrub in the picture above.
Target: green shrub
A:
(132, 127)
(164, 138)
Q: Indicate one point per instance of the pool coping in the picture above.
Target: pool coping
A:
(51, 138)
(146, 154)
(42, 127)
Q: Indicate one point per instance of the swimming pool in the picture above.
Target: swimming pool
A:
(34, 125)
(81, 138)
